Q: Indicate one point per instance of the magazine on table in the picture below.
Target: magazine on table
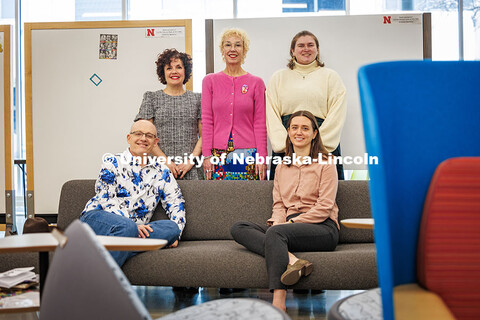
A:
(16, 276)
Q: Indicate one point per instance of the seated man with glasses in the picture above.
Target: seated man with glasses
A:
(128, 189)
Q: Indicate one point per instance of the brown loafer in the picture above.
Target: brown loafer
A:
(295, 271)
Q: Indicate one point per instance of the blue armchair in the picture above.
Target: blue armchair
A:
(415, 115)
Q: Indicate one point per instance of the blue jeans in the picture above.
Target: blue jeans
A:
(106, 223)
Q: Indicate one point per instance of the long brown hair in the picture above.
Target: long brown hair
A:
(316, 147)
(291, 62)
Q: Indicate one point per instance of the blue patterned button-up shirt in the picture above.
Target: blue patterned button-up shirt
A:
(125, 188)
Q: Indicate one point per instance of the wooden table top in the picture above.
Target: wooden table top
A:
(40, 242)
(359, 223)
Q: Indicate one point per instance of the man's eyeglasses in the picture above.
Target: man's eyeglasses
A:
(140, 134)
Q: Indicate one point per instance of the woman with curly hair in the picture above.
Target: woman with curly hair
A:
(233, 115)
(176, 113)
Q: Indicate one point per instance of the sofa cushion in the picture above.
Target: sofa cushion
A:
(73, 198)
(353, 200)
(10, 261)
(207, 263)
(212, 207)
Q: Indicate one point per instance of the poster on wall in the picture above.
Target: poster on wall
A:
(108, 46)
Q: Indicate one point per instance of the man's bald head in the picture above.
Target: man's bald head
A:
(143, 124)
(142, 138)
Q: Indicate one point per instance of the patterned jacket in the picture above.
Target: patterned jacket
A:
(125, 188)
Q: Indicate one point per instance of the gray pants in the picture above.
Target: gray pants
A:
(275, 242)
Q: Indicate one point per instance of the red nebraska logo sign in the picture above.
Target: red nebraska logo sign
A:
(150, 32)
(387, 19)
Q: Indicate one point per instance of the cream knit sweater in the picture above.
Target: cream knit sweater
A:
(307, 87)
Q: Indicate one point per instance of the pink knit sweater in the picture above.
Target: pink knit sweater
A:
(233, 105)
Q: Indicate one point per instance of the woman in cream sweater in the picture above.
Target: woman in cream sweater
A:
(306, 85)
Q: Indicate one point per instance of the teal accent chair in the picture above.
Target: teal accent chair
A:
(416, 114)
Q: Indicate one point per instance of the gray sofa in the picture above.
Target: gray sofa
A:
(208, 257)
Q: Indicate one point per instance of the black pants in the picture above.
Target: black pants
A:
(275, 242)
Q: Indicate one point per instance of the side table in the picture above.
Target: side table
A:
(45, 242)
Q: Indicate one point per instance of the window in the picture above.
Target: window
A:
(312, 5)
(98, 10)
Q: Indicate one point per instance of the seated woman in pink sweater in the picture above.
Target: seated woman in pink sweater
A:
(305, 215)
(233, 116)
